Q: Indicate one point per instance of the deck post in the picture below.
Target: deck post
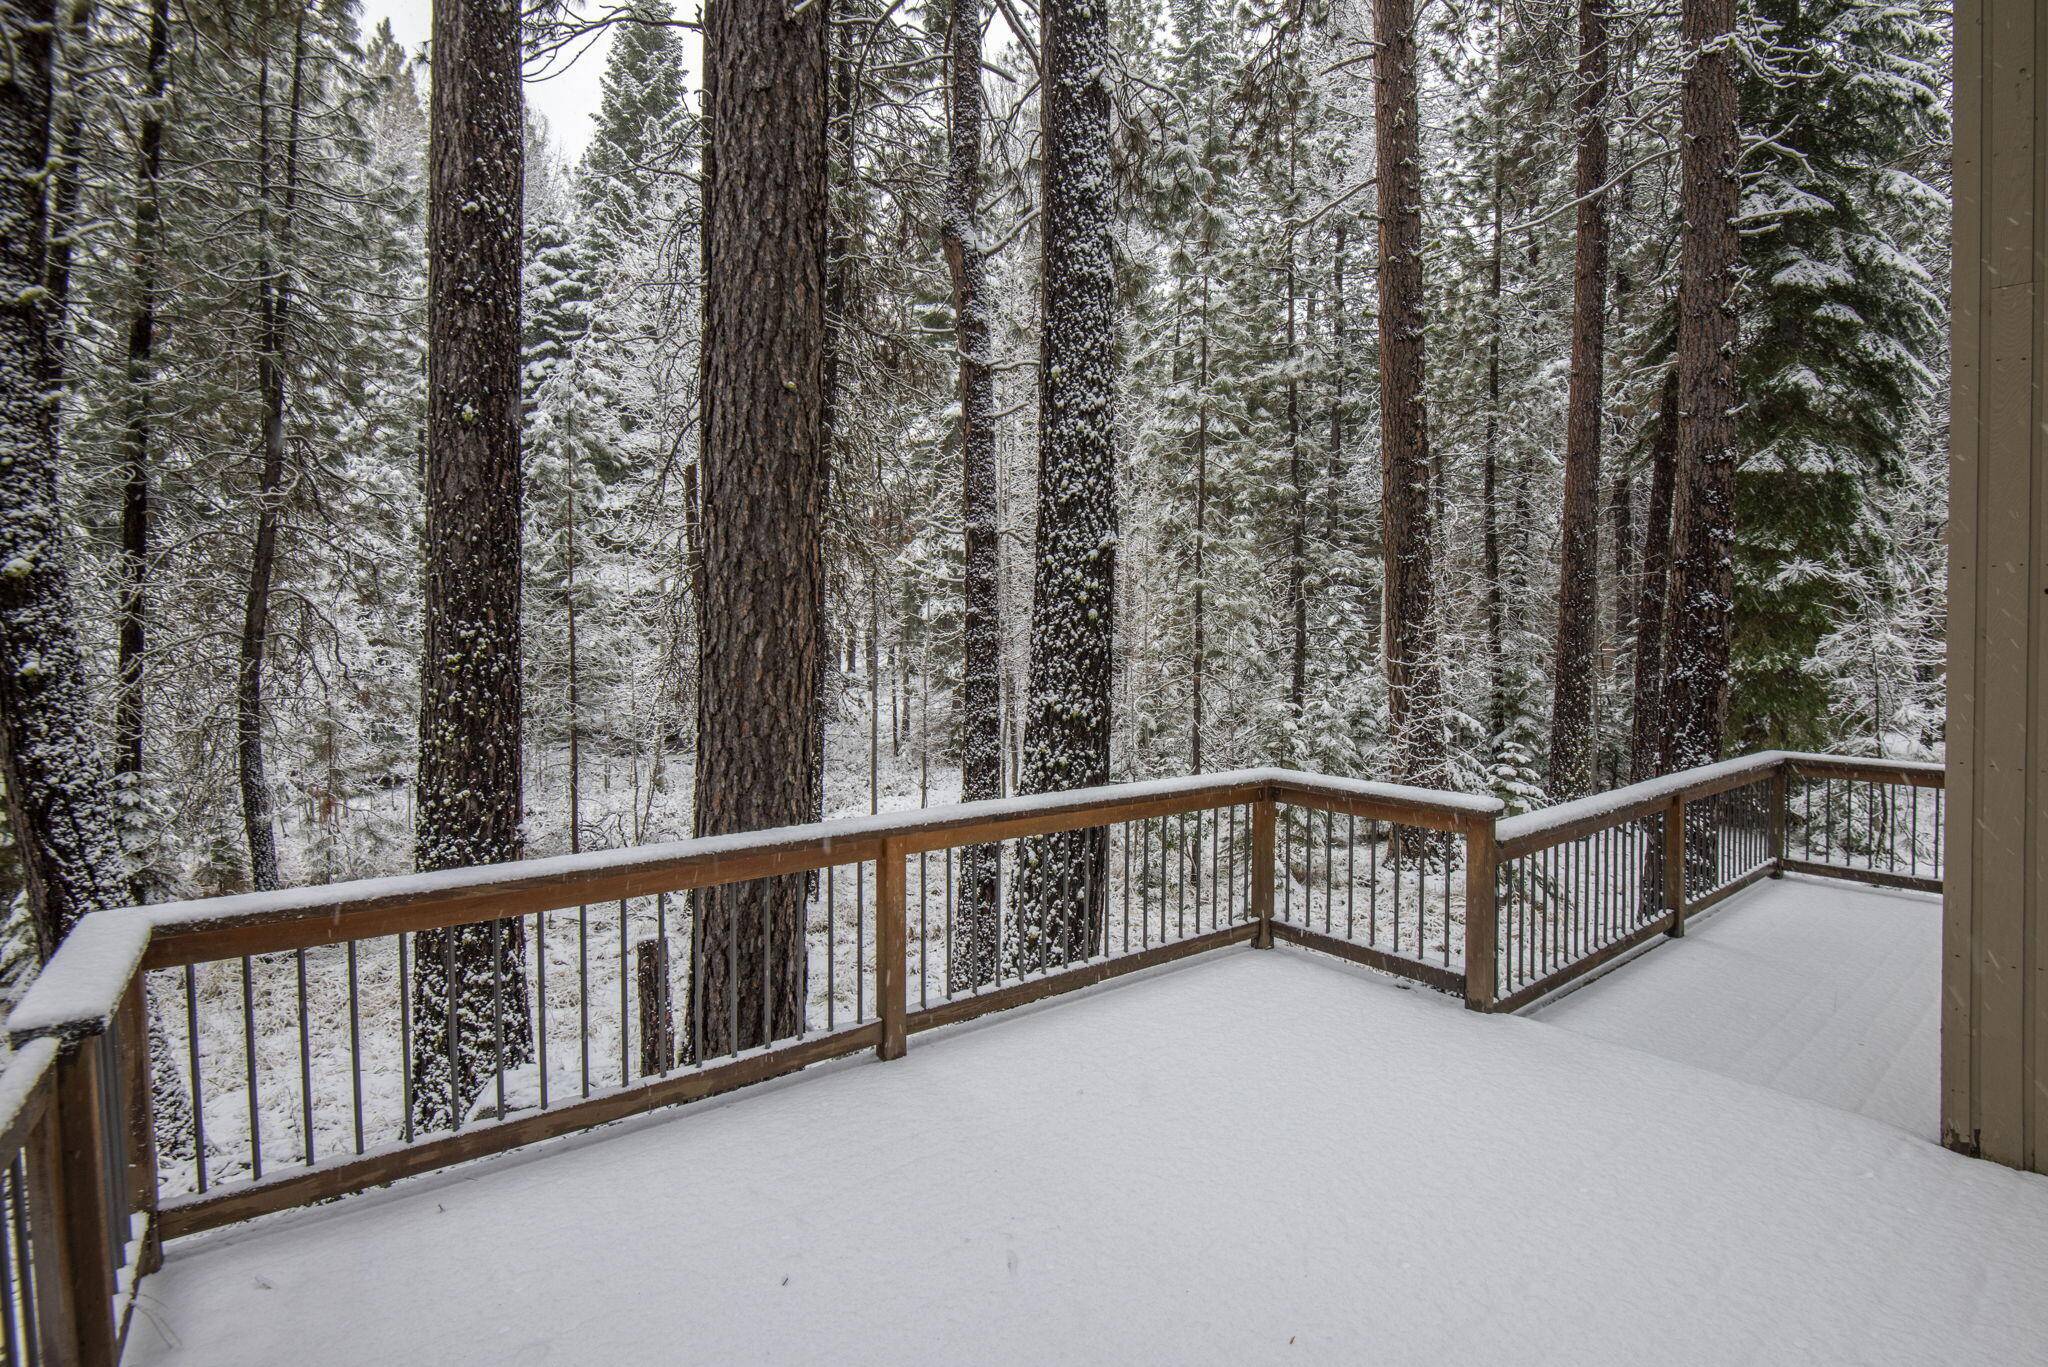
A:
(83, 1235)
(1674, 864)
(891, 991)
(1262, 871)
(1780, 794)
(142, 1161)
(1482, 987)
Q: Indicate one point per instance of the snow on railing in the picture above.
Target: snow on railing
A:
(355, 1033)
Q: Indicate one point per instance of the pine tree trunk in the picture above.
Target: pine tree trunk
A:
(1198, 691)
(835, 448)
(469, 991)
(1496, 666)
(981, 723)
(1340, 387)
(1414, 674)
(273, 312)
(1578, 583)
(1073, 610)
(1297, 484)
(66, 172)
(1646, 736)
(59, 792)
(1703, 508)
(765, 225)
(140, 377)
(575, 699)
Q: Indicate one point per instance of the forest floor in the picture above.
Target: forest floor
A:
(1249, 1157)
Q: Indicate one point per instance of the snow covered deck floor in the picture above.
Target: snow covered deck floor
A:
(1251, 1157)
(1816, 987)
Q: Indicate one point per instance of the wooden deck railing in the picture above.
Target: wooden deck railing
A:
(293, 1016)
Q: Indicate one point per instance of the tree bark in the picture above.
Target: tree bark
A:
(59, 790)
(1496, 670)
(469, 991)
(1646, 737)
(981, 723)
(1578, 583)
(1073, 609)
(1414, 674)
(1703, 510)
(273, 312)
(1297, 479)
(140, 376)
(765, 225)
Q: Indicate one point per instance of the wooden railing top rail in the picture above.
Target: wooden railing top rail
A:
(1531, 831)
(78, 992)
(80, 989)
(1920, 773)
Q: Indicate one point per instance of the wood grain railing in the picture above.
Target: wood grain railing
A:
(298, 1030)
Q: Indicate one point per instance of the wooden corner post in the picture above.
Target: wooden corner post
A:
(84, 1242)
(891, 943)
(1262, 871)
(1482, 988)
(1674, 864)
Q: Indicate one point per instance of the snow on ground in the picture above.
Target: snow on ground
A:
(1250, 1157)
(1812, 986)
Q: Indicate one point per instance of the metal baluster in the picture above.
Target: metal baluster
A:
(454, 1027)
(583, 992)
(1287, 864)
(697, 1043)
(1145, 882)
(1372, 861)
(404, 1044)
(1125, 833)
(249, 1058)
(305, 1059)
(498, 1010)
(198, 1091)
(540, 996)
(831, 939)
(1394, 848)
(1351, 875)
(355, 1044)
(1447, 906)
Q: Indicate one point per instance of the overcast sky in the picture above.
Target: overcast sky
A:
(566, 96)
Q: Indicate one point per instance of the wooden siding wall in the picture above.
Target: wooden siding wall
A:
(1994, 1055)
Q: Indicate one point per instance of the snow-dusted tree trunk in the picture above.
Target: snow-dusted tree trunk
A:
(1415, 702)
(60, 789)
(1646, 737)
(274, 205)
(765, 211)
(981, 720)
(1578, 571)
(1701, 602)
(471, 980)
(140, 375)
(1073, 606)
(59, 792)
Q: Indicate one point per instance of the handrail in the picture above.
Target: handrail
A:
(76, 1091)
(300, 918)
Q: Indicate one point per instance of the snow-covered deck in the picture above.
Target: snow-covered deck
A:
(1250, 1157)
